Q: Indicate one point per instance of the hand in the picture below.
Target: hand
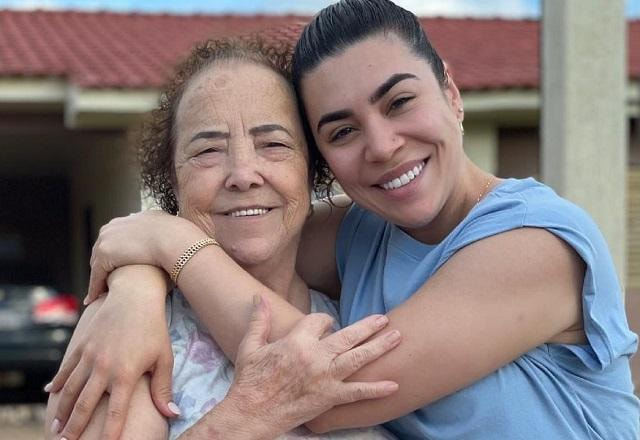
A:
(302, 375)
(142, 238)
(125, 338)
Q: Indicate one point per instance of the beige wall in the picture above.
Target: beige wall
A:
(481, 144)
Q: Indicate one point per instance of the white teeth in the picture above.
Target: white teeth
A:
(248, 212)
(405, 178)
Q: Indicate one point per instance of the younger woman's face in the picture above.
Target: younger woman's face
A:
(387, 129)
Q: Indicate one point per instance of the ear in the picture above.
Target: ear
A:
(452, 94)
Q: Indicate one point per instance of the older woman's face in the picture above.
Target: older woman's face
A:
(241, 160)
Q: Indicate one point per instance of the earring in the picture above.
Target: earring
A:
(461, 127)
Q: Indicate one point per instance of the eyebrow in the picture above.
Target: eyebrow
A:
(333, 116)
(388, 84)
(260, 129)
(267, 128)
(379, 93)
(210, 135)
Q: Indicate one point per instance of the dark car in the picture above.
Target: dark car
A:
(36, 323)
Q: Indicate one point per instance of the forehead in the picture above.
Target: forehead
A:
(239, 88)
(374, 52)
(361, 68)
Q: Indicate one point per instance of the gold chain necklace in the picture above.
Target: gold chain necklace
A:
(484, 191)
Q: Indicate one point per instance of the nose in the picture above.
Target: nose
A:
(243, 170)
(382, 141)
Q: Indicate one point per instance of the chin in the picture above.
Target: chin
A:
(409, 217)
(250, 252)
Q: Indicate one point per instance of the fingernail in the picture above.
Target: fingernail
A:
(382, 320)
(393, 336)
(391, 386)
(85, 301)
(63, 438)
(48, 387)
(55, 426)
(257, 299)
(174, 408)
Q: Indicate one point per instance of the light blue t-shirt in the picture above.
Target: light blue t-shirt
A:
(554, 391)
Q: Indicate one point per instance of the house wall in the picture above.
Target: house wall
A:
(481, 144)
(519, 152)
(104, 186)
(57, 187)
(519, 156)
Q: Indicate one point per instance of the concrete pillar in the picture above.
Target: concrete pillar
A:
(584, 136)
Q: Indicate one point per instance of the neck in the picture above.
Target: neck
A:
(473, 183)
(279, 275)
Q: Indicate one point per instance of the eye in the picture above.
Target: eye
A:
(209, 150)
(399, 103)
(275, 144)
(341, 133)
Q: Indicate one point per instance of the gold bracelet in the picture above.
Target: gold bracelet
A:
(186, 256)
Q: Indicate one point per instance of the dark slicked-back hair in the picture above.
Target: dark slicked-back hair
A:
(341, 25)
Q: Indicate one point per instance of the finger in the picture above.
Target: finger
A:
(315, 325)
(71, 390)
(348, 363)
(97, 284)
(259, 327)
(350, 336)
(356, 391)
(84, 408)
(161, 390)
(94, 248)
(117, 410)
(69, 363)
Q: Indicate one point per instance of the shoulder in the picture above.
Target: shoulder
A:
(547, 210)
(520, 203)
(538, 204)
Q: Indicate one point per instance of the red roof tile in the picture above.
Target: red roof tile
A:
(101, 49)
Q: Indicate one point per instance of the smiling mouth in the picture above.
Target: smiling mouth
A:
(403, 179)
(249, 212)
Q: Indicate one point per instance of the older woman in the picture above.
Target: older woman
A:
(229, 143)
(506, 295)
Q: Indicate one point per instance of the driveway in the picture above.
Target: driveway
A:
(21, 422)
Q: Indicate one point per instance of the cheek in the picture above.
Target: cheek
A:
(344, 164)
(195, 191)
(295, 189)
(195, 203)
